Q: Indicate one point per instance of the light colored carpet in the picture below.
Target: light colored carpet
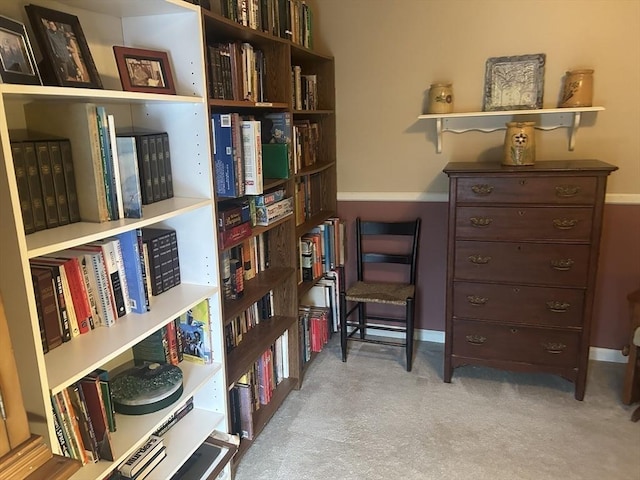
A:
(371, 419)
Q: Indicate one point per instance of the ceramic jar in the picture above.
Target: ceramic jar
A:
(519, 144)
(578, 89)
(441, 98)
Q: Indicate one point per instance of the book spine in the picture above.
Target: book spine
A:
(110, 126)
(35, 189)
(162, 174)
(59, 187)
(111, 262)
(70, 181)
(75, 427)
(175, 257)
(234, 235)
(167, 164)
(107, 164)
(46, 182)
(85, 425)
(117, 248)
(173, 343)
(20, 168)
(130, 180)
(62, 441)
(155, 171)
(108, 312)
(139, 459)
(63, 415)
(252, 157)
(144, 167)
(79, 294)
(166, 262)
(133, 270)
(226, 181)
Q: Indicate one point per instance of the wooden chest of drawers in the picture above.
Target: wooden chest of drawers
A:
(521, 268)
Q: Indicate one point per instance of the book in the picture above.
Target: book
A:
(167, 164)
(129, 246)
(59, 184)
(106, 157)
(47, 307)
(141, 458)
(162, 176)
(245, 404)
(115, 161)
(70, 180)
(252, 157)
(275, 160)
(46, 182)
(164, 264)
(87, 433)
(175, 418)
(235, 235)
(276, 127)
(20, 169)
(224, 163)
(150, 465)
(35, 190)
(155, 169)
(102, 376)
(96, 409)
(61, 304)
(267, 214)
(195, 326)
(81, 128)
(60, 408)
(112, 255)
(141, 142)
(201, 464)
(232, 214)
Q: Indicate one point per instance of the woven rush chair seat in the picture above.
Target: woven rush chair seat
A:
(377, 292)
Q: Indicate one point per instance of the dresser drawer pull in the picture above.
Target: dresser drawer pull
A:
(476, 300)
(559, 307)
(482, 189)
(479, 259)
(554, 348)
(564, 223)
(567, 191)
(476, 339)
(480, 222)
(562, 265)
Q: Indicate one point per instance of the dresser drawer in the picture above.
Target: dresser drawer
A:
(528, 263)
(524, 223)
(544, 306)
(518, 344)
(549, 190)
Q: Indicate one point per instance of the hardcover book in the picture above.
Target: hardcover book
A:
(133, 270)
(20, 167)
(224, 162)
(195, 326)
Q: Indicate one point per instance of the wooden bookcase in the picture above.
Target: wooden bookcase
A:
(282, 275)
(174, 26)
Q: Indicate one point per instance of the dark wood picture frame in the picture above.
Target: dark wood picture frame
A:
(145, 71)
(67, 60)
(17, 62)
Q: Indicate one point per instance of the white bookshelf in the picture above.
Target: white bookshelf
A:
(174, 26)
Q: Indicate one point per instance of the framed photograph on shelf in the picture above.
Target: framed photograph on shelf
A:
(17, 63)
(146, 71)
(67, 61)
(514, 83)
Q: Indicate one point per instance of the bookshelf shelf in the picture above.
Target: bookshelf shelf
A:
(546, 119)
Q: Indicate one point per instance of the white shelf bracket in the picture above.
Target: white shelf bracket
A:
(439, 134)
(574, 130)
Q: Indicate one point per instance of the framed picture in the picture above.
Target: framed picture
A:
(67, 61)
(17, 63)
(144, 70)
(514, 83)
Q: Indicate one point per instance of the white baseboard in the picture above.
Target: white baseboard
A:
(595, 353)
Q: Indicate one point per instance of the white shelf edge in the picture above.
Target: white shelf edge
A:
(97, 347)
(442, 125)
(74, 234)
(39, 92)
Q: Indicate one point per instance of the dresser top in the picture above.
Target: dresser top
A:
(552, 166)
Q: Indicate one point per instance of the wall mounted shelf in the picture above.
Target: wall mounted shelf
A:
(545, 118)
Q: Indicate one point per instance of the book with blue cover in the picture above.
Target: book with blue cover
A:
(226, 181)
(133, 271)
(129, 177)
(195, 327)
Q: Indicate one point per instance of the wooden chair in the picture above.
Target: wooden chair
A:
(375, 245)
(631, 387)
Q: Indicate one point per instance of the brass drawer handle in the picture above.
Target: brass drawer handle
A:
(554, 348)
(565, 223)
(559, 307)
(477, 300)
(567, 191)
(480, 222)
(482, 189)
(479, 259)
(562, 265)
(476, 339)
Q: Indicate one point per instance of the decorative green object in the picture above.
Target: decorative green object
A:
(275, 160)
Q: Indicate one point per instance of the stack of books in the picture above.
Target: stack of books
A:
(141, 463)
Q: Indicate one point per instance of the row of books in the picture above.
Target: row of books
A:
(46, 183)
(187, 337)
(321, 249)
(260, 311)
(314, 329)
(255, 388)
(237, 218)
(304, 95)
(115, 172)
(325, 293)
(141, 463)
(236, 72)
(84, 418)
(289, 19)
(242, 263)
(244, 148)
(92, 285)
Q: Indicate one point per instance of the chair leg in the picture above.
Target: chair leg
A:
(343, 326)
(635, 416)
(362, 315)
(409, 348)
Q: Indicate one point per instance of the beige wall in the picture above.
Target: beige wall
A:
(388, 52)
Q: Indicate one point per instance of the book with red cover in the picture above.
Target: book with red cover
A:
(235, 235)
